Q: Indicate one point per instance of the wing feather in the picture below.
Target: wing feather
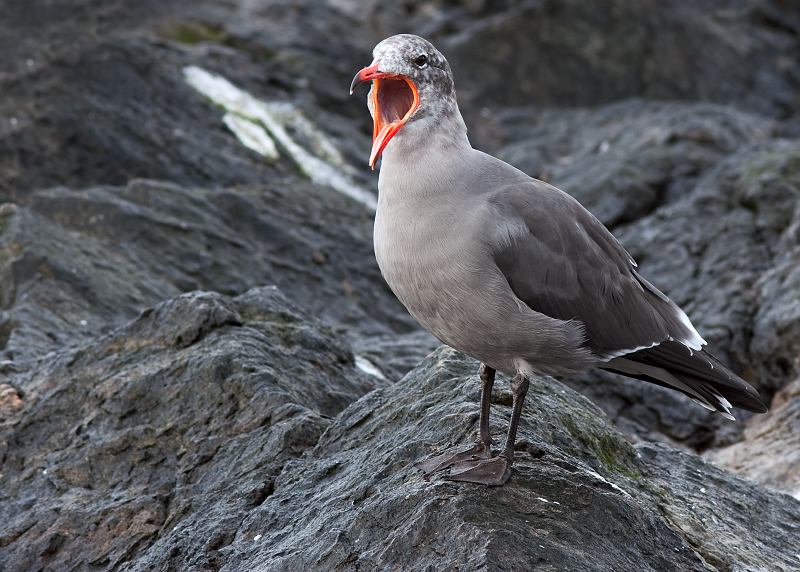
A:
(570, 267)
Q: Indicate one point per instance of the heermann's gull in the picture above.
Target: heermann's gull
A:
(508, 269)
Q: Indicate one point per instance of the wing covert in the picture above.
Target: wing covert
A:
(569, 266)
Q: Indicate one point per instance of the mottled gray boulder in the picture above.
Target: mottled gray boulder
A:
(395, 354)
(208, 434)
(109, 113)
(726, 253)
(775, 342)
(585, 53)
(709, 251)
(188, 411)
(95, 99)
(770, 451)
(580, 497)
(75, 263)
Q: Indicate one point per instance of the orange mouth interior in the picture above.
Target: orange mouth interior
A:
(394, 99)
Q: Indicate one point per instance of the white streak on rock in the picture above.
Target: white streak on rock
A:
(367, 366)
(327, 169)
(251, 135)
(613, 486)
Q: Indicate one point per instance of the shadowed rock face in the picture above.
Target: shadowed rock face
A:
(120, 439)
(162, 408)
(723, 253)
(732, 52)
(210, 445)
(624, 160)
(78, 262)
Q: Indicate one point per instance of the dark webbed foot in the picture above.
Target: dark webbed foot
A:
(475, 465)
(452, 457)
(490, 472)
(481, 449)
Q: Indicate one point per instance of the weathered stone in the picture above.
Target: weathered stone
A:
(356, 502)
(195, 461)
(770, 451)
(741, 303)
(587, 53)
(775, 342)
(75, 263)
(122, 438)
(686, 248)
(396, 354)
(733, 523)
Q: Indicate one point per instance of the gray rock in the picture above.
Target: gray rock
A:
(112, 104)
(110, 115)
(75, 263)
(580, 497)
(770, 451)
(775, 342)
(733, 523)
(395, 354)
(189, 411)
(740, 303)
(587, 53)
(744, 206)
(199, 437)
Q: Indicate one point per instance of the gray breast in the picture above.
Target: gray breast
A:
(442, 270)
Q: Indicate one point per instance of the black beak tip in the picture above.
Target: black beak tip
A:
(356, 80)
(367, 74)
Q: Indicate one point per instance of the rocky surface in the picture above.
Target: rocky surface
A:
(747, 204)
(670, 511)
(624, 160)
(209, 445)
(162, 408)
(770, 451)
(116, 435)
(733, 52)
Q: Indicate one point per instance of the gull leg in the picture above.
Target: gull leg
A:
(487, 382)
(482, 448)
(497, 470)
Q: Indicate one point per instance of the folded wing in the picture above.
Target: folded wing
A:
(569, 266)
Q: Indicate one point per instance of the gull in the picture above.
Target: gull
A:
(509, 269)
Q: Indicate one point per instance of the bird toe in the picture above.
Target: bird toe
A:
(453, 457)
(492, 472)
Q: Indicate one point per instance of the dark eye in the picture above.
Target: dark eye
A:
(421, 61)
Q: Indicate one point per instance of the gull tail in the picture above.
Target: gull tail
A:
(696, 373)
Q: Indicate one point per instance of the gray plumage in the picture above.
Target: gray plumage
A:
(511, 270)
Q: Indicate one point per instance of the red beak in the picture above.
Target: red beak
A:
(386, 124)
(367, 74)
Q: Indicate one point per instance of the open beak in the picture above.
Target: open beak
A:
(394, 99)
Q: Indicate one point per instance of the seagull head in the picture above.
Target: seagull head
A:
(411, 84)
